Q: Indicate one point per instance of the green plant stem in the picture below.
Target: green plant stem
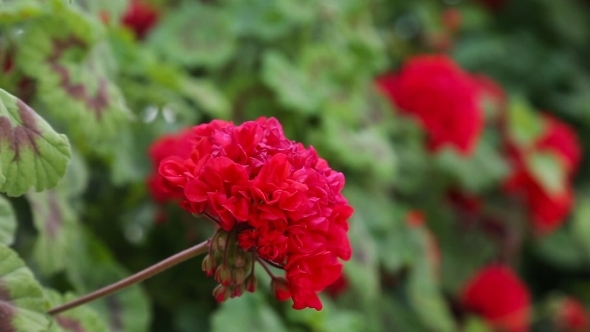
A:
(134, 279)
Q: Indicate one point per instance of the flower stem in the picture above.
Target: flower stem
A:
(272, 276)
(134, 279)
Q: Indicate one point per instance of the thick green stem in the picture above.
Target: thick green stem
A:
(134, 279)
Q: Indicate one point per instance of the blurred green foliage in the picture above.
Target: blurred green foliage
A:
(311, 64)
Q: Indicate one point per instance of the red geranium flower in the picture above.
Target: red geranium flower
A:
(499, 296)
(572, 316)
(179, 145)
(277, 199)
(140, 17)
(442, 97)
(560, 138)
(547, 209)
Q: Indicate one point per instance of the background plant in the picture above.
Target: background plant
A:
(104, 80)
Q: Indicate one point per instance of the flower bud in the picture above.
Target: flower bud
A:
(239, 275)
(237, 291)
(208, 265)
(280, 289)
(251, 283)
(240, 258)
(221, 293)
(223, 275)
(220, 240)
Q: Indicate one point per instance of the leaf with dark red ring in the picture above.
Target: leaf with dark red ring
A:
(68, 56)
(195, 34)
(22, 302)
(31, 152)
(81, 319)
(91, 267)
(59, 231)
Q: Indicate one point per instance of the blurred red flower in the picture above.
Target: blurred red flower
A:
(177, 144)
(547, 209)
(140, 17)
(572, 316)
(282, 200)
(500, 297)
(442, 97)
(494, 5)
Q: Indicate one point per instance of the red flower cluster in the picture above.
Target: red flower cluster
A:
(282, 200)
(499, 296)
(140, 17)
(179, 145)
(442, 97)
(548, 210)
(572, 316)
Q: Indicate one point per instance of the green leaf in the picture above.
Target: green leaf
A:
(268, 20)
(31, 153)
(475, 324)
(547, 169)
(206, 95)
(22, 302)
(92, 267)
(195, 35)
(357, 149)
(12, 11)
(560, 247)
(80, 319)
(65, 53)
(250, 312)
(524, 125)
(427, 299)
(580, 229)
(7, 222)
(330, 319)
(481, 171)
(293, 88)
(362, 271)
(58, 230)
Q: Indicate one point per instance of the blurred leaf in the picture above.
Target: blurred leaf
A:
(92, 267)
(523, 124)
(559, 249)
(12, 11)
(481, 171)
(293, 88)
(57, 226)
(195, 35)
(427, 299)
(23, 303)
(548, 170)
(475, 324)
(208, 97)
(250, 312)
(31, 153)
(464, 250)
(7, 222)
(80, 319)
(357, 149)
(268, 19)
(62, 51)
(362, 271)
(329, 319)
(580, 228)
